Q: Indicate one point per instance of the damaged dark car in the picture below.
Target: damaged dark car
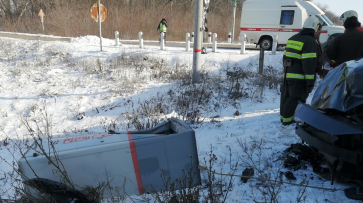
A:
(333, 124)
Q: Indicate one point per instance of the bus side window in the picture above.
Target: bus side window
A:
(287, 17)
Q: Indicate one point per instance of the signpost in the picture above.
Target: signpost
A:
(234, 5)
(99, 14)
(41, 15)
(95, 12)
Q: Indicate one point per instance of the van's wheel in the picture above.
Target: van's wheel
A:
(266, 43)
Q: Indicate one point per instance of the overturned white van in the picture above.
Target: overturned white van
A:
(128, 163)
(262, 19)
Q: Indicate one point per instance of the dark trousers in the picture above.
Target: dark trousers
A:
(292, 92)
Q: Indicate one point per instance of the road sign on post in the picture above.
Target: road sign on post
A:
(41, 15)
(95, 11)
(99, 14)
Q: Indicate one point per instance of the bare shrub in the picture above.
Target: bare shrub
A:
(53, 55)
(7, 51)
(243, 83)
(94, 66)
(218, 183)
(236, 77)
(254, 157)
(147, 114)
(269, 173)
(190, 101)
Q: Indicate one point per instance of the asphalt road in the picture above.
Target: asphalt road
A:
(33, 36)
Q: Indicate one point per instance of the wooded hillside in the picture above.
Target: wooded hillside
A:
(71, 18)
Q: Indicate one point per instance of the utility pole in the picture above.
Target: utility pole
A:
(234, 5)
(198, 39)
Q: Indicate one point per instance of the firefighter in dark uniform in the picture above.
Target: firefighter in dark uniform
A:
(300, 64)
(349, 45)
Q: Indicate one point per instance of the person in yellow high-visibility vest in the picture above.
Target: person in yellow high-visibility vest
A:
(162, 27)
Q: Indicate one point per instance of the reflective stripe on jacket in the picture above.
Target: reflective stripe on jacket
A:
(301, 50)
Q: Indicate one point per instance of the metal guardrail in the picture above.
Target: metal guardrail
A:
(182, 43)
(34, 36)
(146, 42)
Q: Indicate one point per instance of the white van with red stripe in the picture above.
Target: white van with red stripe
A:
(262, 19)
(125, 163)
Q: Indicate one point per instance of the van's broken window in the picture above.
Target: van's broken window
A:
(287, 17)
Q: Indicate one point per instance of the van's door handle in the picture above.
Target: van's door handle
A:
(282, 26)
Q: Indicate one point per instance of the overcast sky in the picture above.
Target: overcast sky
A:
(340, 6)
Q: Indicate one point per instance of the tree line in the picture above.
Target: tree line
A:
(71, 18)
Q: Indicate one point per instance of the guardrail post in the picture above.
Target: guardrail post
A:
(261, 59)
(187, 42)
(243, 42)
(209, 37)
(274, 44)
(141, 40)
(162, 43)
(117, 40)
(192, 37)
(229, 38)
(214, 46)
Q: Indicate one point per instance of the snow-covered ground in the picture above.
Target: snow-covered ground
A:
(85, 90)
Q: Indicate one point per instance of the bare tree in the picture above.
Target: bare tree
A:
(332, 16)
(71, 18)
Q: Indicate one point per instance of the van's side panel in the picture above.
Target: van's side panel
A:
(262, 18)
(259, 18)
(287, 30)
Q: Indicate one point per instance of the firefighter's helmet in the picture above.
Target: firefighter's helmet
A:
(312, 22)
(348, 14)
